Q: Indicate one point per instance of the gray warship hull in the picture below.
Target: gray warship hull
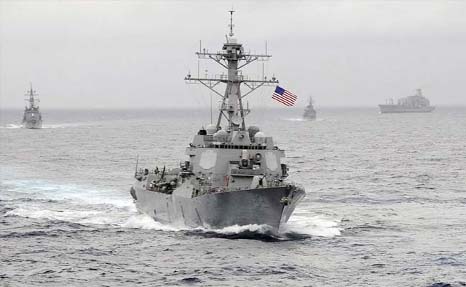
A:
(32, 124)
(387, 109)
(309, 115)
(218, 210)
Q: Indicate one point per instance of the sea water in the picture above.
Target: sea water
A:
(385, 202)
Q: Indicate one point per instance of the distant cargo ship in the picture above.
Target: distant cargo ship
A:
(412, 104)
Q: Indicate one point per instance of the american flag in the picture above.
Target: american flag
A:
(283, 96)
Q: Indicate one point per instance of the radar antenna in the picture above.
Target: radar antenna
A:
(31, 94)
(232, 58)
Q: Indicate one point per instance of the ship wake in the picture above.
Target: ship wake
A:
(43, 200)
(298, 228)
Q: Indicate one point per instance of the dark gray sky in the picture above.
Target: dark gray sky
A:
(135, 54)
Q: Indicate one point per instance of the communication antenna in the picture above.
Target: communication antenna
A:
(210, 94)
(198, 60)
(263, 62)
(231, 21)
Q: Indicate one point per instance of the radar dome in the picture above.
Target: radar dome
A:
(252, 130)
(221, 136)
(259, 135)
(211, 129)
(259, 138)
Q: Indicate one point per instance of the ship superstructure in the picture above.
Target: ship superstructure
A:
(412, 104)
(309, 111)
(32, 117)
(234, 174)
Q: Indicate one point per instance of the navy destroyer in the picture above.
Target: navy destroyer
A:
(32, 118)
(309, 111)
(412, 104)
(234, 174)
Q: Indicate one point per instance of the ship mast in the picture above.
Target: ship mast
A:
(233, 59)
(31, 93)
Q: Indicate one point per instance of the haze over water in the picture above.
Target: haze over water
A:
(135, 54)
(384, 207)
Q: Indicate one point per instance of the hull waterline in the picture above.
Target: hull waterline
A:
(270, 206)
(396, 109)
(32, 125)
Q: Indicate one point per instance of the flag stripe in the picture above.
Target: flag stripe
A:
(287, 96)
(283, 100)
(288, 99)
(285, 103)
(290, 94)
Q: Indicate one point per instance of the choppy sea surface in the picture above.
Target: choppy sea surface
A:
(385, 203)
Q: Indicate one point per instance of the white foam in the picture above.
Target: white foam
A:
(71, 192)
(296, 120)
(12, 126)
(312, 225)
(65, 125)
(54, 214)
(47, 126)
(236, 229)
(72, 203)
(75, 215)
(303, 120)
(142, 221)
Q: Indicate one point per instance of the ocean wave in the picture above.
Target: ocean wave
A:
(298, 228)
(38, 189)
(40, 199)
(11, 126)
(47, 126)
(317, 225)
(64, 125)
(142, 221)
(303, 120)
(107, 217)
(296, 120)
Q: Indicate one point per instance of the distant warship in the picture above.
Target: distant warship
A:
(32, 118)
(234, 175)
(412, 104)
(309, 111)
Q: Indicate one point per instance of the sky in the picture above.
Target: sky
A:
(135, 54)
